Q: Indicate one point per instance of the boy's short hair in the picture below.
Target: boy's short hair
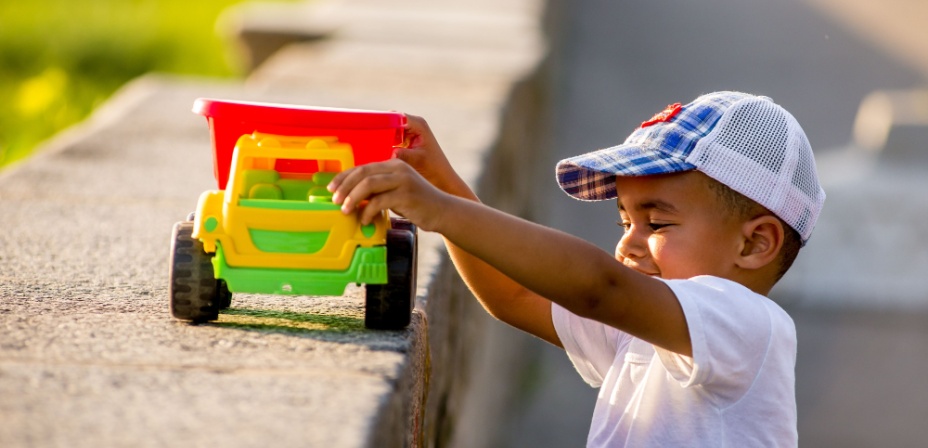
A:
(747, 143)
(744, 209)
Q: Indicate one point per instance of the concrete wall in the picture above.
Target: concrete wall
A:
(88, 353)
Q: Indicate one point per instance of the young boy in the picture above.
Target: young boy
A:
(715, 198)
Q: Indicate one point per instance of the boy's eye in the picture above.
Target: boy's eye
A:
(653, 226)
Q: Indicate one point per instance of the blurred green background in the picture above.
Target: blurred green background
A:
(61, 58)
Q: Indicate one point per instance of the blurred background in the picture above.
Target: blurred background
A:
(853, 72)
(59, 59)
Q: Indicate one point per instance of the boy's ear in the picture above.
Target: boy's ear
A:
(762, 240)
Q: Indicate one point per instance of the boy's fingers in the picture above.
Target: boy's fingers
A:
(366, 189)
(340, 186)
(338, 180)
(343, 178)
(415, 122)
(347, 180)
(372, 209)
(416, 127)
(409, 156)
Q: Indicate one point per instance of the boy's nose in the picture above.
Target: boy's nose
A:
(631, 246)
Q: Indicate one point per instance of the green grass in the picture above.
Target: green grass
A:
(59, 59)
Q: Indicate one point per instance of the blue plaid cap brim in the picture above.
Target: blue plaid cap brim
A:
(591, 176)
(655, 148)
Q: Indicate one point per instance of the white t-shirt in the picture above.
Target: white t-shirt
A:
(738, 389)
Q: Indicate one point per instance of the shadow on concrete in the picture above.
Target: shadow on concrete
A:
(287, 322)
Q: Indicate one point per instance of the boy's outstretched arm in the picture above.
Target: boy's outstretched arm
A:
(502, 297)
(548, 263)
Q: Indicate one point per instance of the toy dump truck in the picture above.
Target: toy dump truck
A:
(272, 228)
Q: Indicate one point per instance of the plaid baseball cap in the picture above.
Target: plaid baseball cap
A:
(746, 142)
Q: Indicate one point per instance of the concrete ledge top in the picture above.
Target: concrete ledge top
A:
(87, 339)
(89, 349)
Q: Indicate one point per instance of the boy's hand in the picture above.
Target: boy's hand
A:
(390, 185)
(421, 151)
(421, 185)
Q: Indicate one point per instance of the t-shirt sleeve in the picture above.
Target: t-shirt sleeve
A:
(591, 346)
(730, 330)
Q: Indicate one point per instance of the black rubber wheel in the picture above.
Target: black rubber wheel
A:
(224, 295)
(389, 306)
(194, 290)
(402, 224)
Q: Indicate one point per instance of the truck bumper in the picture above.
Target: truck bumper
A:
(368, 266)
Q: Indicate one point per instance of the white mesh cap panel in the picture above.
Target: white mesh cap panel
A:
(759, 150)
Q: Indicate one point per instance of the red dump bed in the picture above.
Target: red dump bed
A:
(371, 134)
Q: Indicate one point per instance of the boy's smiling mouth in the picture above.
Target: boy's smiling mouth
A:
(637, 268)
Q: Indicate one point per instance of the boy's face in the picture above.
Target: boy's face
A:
(675, 227)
